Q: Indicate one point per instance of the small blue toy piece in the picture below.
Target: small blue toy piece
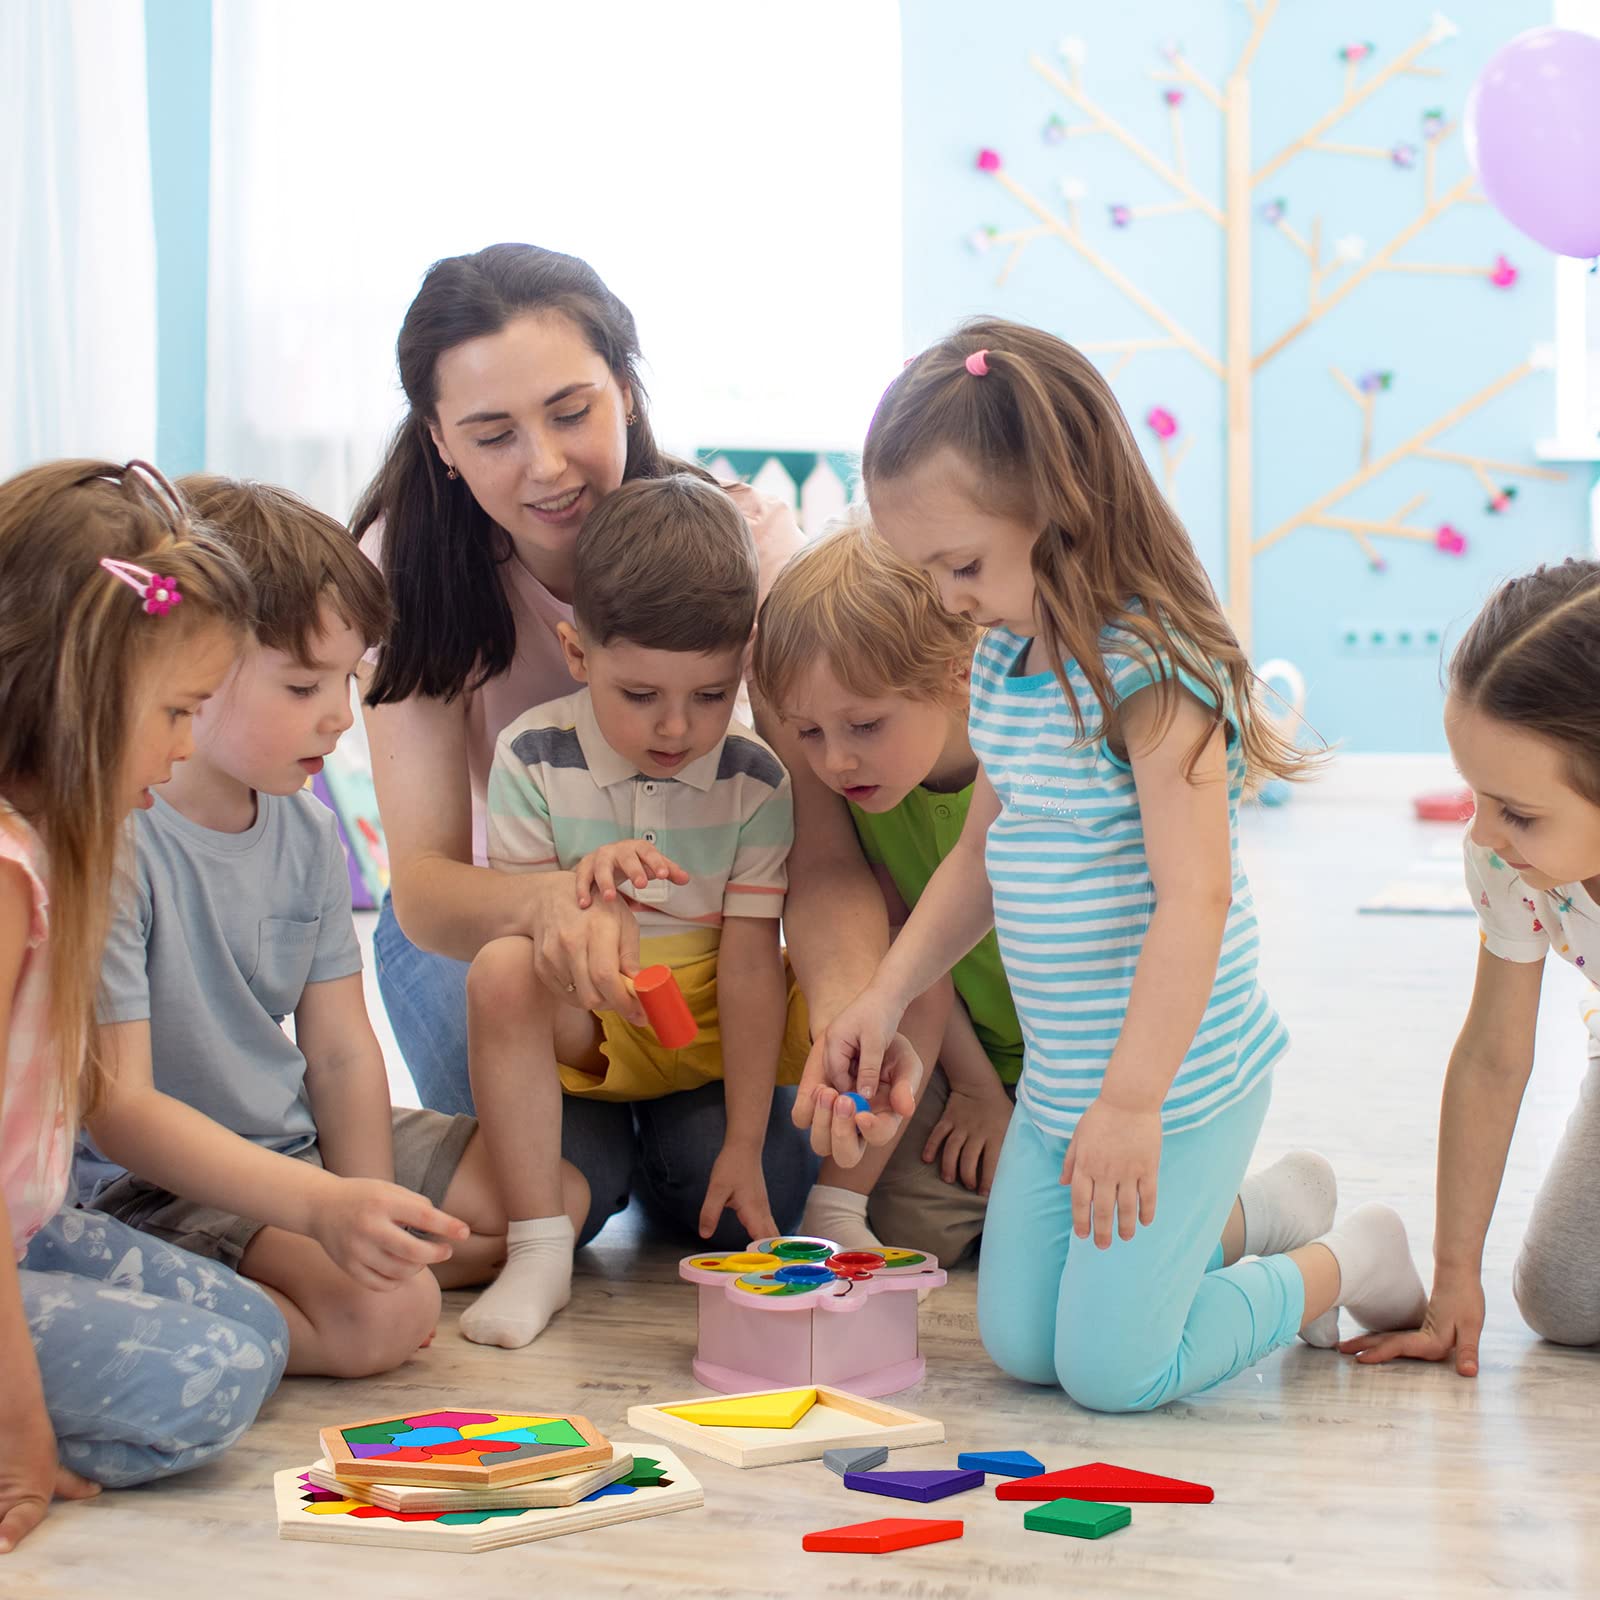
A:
(806, 1272)
(1001, 1463)
(860, 1100)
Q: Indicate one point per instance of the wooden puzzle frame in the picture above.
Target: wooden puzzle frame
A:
(836, 1421)
(565, 1490)
(497, 1529)
(441, 1472)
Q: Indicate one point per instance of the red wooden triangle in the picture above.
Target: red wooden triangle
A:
(1099, 1480)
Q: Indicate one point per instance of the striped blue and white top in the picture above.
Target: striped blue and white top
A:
(1073, 895)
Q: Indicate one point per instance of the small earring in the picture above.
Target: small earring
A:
(631, 418)
(451, 473)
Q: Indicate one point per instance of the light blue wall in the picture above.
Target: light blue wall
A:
(968, 85)
(178, 63)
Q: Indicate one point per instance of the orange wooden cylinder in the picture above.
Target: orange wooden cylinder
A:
(666, 1008)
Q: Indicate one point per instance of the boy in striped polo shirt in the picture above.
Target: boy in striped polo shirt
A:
(642, 786)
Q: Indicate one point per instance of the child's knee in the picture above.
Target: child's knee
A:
(376, 1330)
(1019, 1350)
(1550, 1295)
(502, 979)
(1103, 1374)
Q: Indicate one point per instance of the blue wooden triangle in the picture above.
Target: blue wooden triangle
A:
(1002, 1463)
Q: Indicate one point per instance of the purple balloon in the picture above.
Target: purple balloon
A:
(1533, 137)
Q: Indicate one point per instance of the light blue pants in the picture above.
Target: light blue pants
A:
(1151, 1318)
(153, 1360)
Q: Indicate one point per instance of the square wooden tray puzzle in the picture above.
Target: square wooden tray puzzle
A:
(563, 1491)
(836, 1420)
(463, 1448)
(471, 1531)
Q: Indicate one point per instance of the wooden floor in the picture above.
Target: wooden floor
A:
(1329, 1478)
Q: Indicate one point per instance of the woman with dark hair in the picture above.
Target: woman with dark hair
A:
(526, 411)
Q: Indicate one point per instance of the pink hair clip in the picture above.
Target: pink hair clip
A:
(159, 594)
(977, 364)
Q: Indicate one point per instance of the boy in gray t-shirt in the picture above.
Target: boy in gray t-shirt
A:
(281, 1157)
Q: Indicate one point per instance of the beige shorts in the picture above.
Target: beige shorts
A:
(428, 1146)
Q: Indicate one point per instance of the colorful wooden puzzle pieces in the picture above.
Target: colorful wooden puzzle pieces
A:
(463, 1449)
(781, 1409)
(1077, 1519)
(1099, 1480)
(880, 1537)
(836, 1420)
(1001, 1463)
(862, 1460)
(923, 1485)
(657, 1483)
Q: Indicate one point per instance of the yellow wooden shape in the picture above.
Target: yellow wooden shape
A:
(328, 1508)
(780, 1409)
(479, 1430)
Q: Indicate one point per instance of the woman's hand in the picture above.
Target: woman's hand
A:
(858, 1052)
(1453, 1322)
(583, 956)
(627, 861)
(1111, 1166)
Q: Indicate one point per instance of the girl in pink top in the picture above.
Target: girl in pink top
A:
(526, 411)
(124, 1359)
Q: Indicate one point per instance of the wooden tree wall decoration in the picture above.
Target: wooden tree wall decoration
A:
(1334, 273)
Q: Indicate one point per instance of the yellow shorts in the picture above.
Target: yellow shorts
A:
(639, 1068)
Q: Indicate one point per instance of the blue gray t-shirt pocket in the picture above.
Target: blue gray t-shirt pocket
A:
(283, 963)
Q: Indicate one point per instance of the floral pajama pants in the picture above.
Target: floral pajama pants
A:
(153, 1360)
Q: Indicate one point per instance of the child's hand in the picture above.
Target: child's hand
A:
(30, 1474)
(1453, 1321)
(858, 1052)
(628, 861)
(364, 1227)
(1111, 1165)
(738, 1182)
(971, 1131)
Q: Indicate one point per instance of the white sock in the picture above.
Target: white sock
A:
(1378, 1281)
(840, 1215)
(1289, 1204)
(534, 1284)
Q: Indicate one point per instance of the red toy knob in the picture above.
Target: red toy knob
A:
(666, 1008)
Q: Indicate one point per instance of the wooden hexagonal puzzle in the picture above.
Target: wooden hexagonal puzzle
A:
(463, 1449)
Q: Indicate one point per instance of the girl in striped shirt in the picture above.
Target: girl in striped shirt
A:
(1113, 714)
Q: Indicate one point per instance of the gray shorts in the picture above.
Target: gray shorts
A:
(428, 1146)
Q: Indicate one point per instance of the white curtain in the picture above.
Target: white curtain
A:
(77, 236)
(731, 169)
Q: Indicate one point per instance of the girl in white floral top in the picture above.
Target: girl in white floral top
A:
(1521, 723)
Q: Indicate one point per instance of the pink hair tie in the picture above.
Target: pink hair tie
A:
(159, 594)
(977, 365)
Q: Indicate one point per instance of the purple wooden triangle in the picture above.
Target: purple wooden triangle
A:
(923, 1486)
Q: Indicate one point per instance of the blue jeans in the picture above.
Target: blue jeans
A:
(663, 1150)
(1153, 1317)
(152, 1359)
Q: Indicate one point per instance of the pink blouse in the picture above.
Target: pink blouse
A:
(35, 1144)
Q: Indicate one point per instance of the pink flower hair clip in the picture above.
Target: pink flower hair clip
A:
(159, 594)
